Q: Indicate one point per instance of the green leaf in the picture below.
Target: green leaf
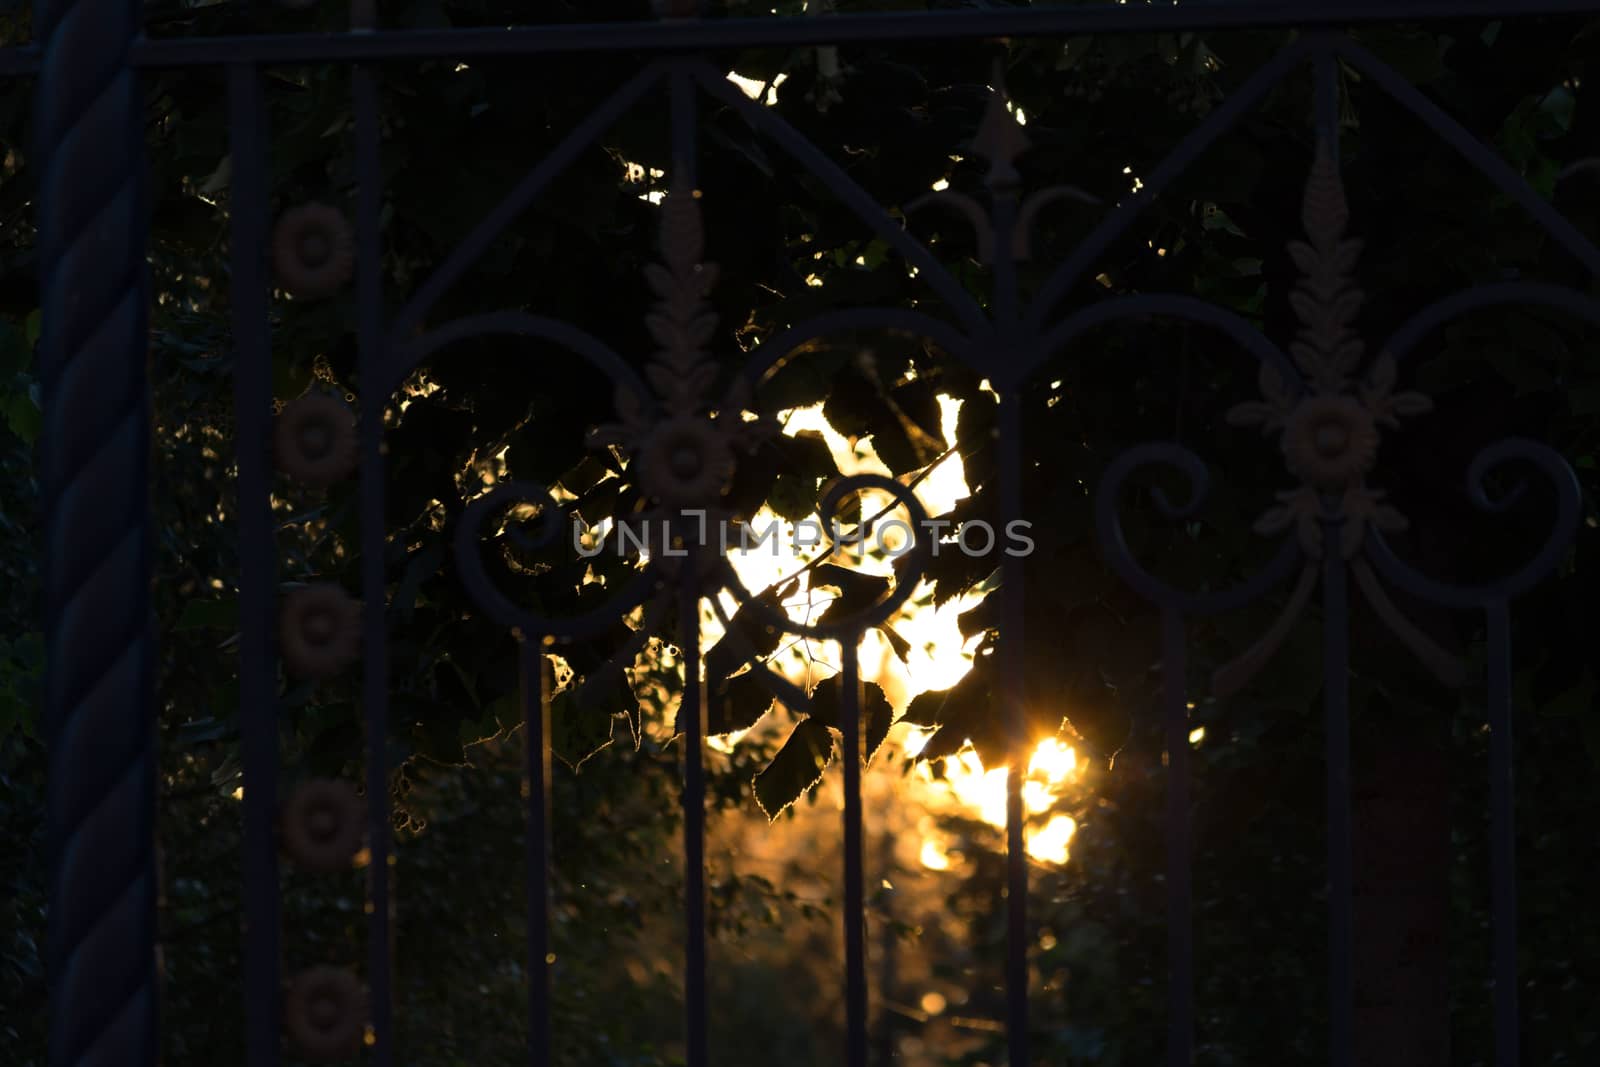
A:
(1415, 54)
(1575, 701)
(876, 714)
(208, 615)
(805, 378)
(792, 497)
(1519, 370)
(807, 454)
(21, 669)
(855, 403)
(905, 427)
(902, 647)
(1542, 173)
(424, 564)
(22, 415)
(583, 715)
(1591, 738)
(501, 713)
(1557, 109)
(1214, 218)
(1583, 399)
(1229, 177)
(204, 731)
(13, 715)
(858, 591)
(748, 636)
(439, 739)
(1519, 133)
(34, 326)
(967, 711)
(15, 351)
(796, 768)
(738, 704)
(290, 377)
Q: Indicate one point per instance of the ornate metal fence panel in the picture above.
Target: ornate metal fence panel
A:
(1326, 398)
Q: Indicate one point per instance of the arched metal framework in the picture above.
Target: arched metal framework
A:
(92, 237)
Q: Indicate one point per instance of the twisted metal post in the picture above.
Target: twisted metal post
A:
(99, 706)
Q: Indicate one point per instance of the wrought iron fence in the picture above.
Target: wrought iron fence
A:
(1324, 401)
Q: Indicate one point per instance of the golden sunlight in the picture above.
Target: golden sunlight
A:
(939, 655)
(934, 857)
(752, 87)
(983, 792)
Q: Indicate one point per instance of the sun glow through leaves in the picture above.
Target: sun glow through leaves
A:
(983, 791)
(938, 656)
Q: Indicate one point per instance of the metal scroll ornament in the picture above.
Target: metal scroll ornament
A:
(1330, 428)
(684, 450)
(681, 437)
(325, 1013)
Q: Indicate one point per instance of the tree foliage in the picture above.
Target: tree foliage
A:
(1101, 113)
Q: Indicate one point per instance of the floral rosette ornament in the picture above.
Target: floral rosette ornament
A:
(681, 448)
(319, 631)
(315, 440)
(322, 825)
(683, 452)
(1330, 433)
(325, 1014)
(1330, 430)
(313, 251)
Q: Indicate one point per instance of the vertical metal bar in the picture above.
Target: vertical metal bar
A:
(1180, 859)
(375, 687)
(100, 709)
(888, 976)
(694, 826)
(696, 1022)
(685, 139)
(1007, 297)
(1336, 707)
(855, 911)
(1502, 838)
(536, 727)
(1326, 72)
(1015, 717)
(252, 396)
(1004, 186)
(1336, 682)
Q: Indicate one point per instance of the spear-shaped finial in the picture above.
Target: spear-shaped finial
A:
(1000, 138)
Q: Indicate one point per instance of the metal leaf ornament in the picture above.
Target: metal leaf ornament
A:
(684, 453)
(1330, 430)
(683, 447)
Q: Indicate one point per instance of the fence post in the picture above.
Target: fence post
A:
(99, 639)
